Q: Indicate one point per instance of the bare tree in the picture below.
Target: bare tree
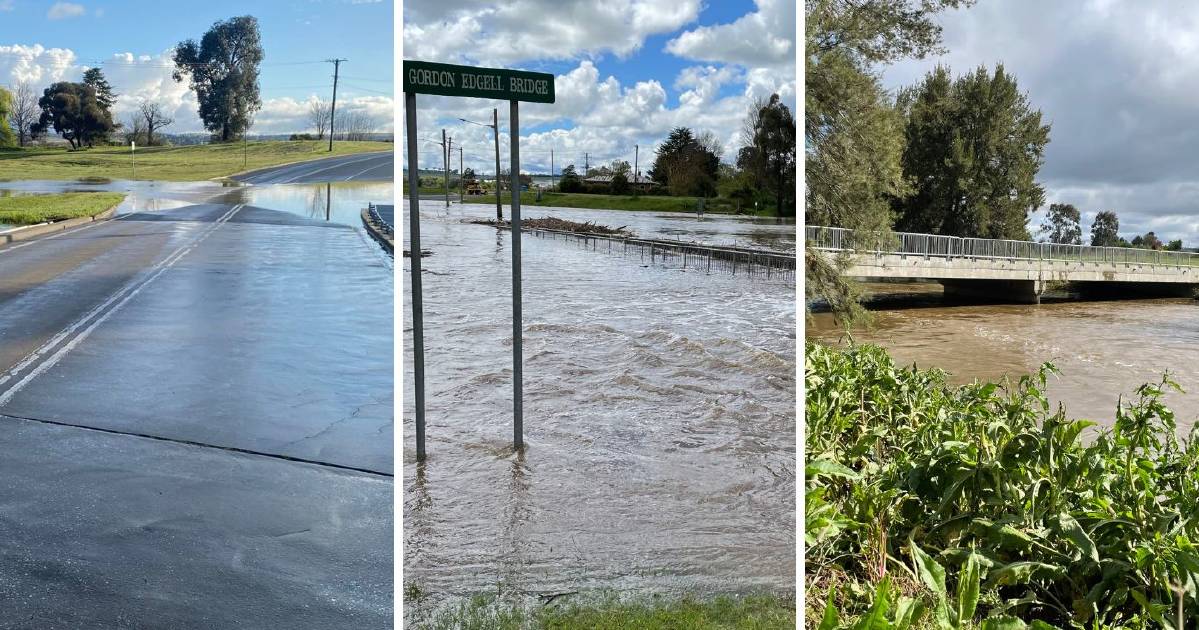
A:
(25, 111)
(356, 125)
(318, 116)
(135, 129)
(153, 117)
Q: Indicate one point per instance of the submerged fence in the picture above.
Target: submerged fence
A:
(935, 245)
(748, 262)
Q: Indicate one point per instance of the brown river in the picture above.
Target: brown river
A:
(1103, 349)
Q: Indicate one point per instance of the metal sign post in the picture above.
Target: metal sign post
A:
(510, 85)
(518, 424)
(418, 321)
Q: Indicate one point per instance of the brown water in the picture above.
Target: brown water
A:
(659, 416)
(1103, 349)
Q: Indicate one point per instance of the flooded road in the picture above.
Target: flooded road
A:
(1103, 349)
(659, 415)
(196, 411)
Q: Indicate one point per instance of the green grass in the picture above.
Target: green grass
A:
(185, 163)
(755, 612)
(934, 506)
(34, 209)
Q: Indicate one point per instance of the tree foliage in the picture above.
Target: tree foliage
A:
(94, 78)
(973, 149)
(1062, 224)
(686, 164)
(223, 69)
(570, 182)
(74, 112)
(7, 137)
(1105, 230)
(770, 154)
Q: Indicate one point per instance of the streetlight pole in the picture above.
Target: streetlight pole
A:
(495, 127)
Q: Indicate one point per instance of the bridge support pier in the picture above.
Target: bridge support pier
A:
(1012, 291)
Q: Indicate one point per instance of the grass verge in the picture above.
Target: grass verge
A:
(185, 163)
(755, 612)
(34, 209)
(934, 506)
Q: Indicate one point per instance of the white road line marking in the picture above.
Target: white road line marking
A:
(338, 165)
(128, 292)
(373, 168)
(74, 230)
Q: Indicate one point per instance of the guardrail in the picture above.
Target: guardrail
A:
(938, 246)
(381, 224)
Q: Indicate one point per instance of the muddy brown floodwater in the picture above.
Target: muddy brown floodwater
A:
(659, 415)
(1103, 349)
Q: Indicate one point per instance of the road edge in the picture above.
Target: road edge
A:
(33, 231)
(378, 231)
(231, 177)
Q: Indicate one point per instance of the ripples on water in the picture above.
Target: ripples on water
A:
(659, 416)
(1103, 349)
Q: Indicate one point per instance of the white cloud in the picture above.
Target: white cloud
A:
(63, 10)
(765, 37)
(523, 30)
(36, 64)
(7, 5)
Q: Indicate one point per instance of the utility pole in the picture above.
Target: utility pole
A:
(461, 174)
(586, 165)
(636, 155)
(333, 107)
(445, 161)
(551, 168)
(495, 126)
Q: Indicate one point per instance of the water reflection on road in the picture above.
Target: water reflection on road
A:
(659, 415)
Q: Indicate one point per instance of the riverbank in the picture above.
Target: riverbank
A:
(761, 612)
(184, 163)
(983, 504)
(34, 209)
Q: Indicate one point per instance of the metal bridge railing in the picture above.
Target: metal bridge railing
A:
(934, 245)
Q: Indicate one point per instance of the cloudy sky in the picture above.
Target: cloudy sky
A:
(132, 41)
(1119, 83)
(627, 72)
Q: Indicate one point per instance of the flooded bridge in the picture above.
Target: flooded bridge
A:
(1012, 270)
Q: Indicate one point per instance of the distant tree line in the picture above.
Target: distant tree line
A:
(1063, 225)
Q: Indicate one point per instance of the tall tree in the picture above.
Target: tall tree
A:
(223, 68)
(72, 110)
(94, 78)
(154, 117)
(7, 137)
(569, 181)
(686, 165)
(24, 111)
(1105, 230)
(771, 155)
(1174, 246)
(1062, 223)
(974, 146)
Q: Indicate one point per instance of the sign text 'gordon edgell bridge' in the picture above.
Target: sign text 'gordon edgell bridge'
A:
(495, 83)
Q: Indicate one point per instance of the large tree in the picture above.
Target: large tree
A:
(94, 78)
(1105, 230)
(853, 138)
(73, 111)
(223, 68)
(771, 152)
(686, 164)
(569, 181)
(319, 113)
(974, 146)
(24, 111)
(6, 103)
(1062, 224)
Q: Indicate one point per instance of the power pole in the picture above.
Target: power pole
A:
(586, 165)
(495, 126)
(461, 174)
(333, 107)
(636, 155)
(551, 168)
(445, 162)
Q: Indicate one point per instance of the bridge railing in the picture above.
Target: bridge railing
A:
(939, 246)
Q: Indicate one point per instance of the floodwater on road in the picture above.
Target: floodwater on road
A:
(659, 415)
(1104, 349)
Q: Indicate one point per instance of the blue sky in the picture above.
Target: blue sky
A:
(43, 41)
(627, 71)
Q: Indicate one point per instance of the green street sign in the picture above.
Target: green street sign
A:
(423, 77)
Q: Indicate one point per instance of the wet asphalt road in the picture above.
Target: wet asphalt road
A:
(196, 423)
(372, 166)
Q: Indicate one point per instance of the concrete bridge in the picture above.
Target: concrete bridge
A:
(1014, 271)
